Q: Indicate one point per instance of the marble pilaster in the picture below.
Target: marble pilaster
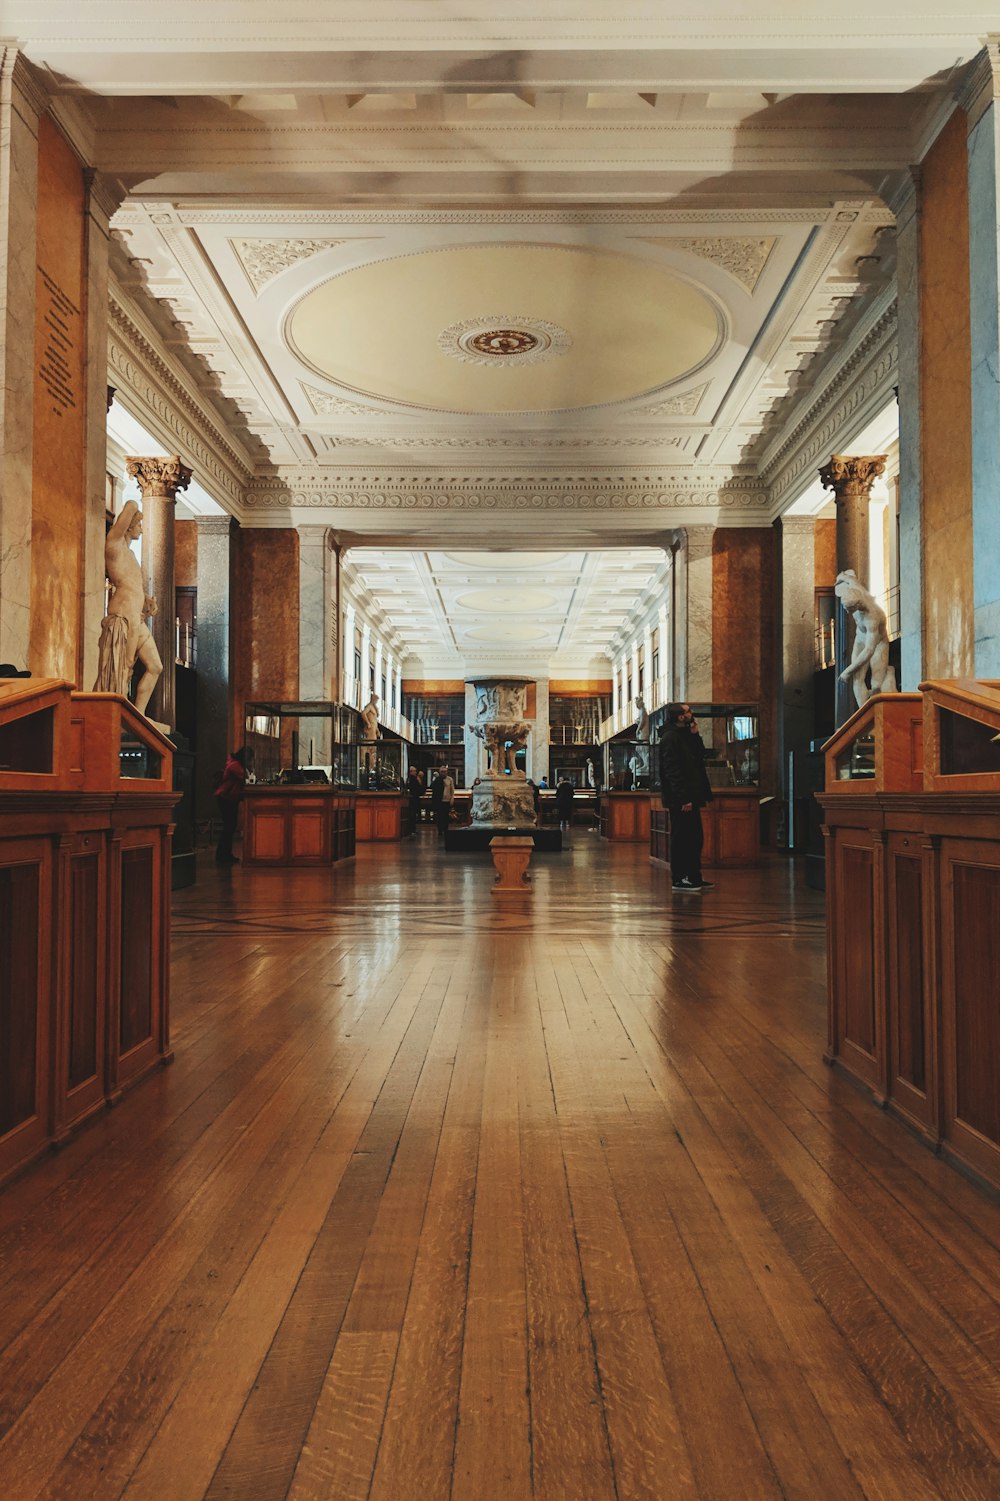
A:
(911, 543)
(214, 656)
(984, 319)
(663, 686)
(20, 106)
(315, 666)
(364, 687)
(696, 656)
(159, 481)
(348, 688)
(102, 202)
(798, 632)
(539, 746)
(475, 751)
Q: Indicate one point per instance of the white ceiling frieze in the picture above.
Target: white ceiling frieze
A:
(326, 404)
(133, 218)
(859, 388)
(542, 442)
(742, 257)
(685, 404)
(597, 493)
(265, 259)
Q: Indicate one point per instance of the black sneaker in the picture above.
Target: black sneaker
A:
(708, 885)
(685, 885)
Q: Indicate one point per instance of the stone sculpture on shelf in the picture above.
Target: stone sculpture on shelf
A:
(125, 636)
(639, 760)
(369, 720)
(870, 656)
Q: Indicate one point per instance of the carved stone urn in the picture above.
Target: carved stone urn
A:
(502, 798)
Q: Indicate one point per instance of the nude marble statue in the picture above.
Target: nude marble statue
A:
(125, 636)
(870, 657)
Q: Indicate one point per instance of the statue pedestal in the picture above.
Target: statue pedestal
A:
(505, 801)
(511, 856)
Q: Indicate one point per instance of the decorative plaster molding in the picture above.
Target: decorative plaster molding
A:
(981, 85)
(875, 214)
(537, 441)
(798, 526)
(326, 404)
(684, 405)
(392, 491)
(503, 339)
(743, 259)
(214, 526)
(846, 402)
(159, 389)
(264, 259)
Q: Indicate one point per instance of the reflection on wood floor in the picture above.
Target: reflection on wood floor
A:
(449, 1197)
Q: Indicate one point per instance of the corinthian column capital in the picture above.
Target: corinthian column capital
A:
(851, 477)
(159, 478)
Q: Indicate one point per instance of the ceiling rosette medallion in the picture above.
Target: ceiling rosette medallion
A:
(503, 340)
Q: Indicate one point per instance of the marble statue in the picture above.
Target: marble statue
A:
(642, 719)
(503, 797)
(870, 656)
(125, 636)
(369, 720)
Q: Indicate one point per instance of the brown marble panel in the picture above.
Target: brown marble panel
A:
(59, 419)
(825, 552)
(744, 631)
(428, 687)
(266, 608)
(578, 688)
(186, 554)
(946, 406)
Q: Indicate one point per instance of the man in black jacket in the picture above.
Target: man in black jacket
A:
(684, 789)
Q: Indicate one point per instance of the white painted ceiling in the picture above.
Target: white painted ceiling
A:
(552, 612)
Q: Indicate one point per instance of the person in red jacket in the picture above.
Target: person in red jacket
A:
(227, 797)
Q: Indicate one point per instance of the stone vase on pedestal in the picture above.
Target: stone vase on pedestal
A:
(502, 797)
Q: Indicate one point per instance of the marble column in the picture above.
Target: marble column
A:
(316, 662)
(474, 749)
(798, 635)
(540, 746)
(851, 477)
(983, 113)
(214, 655)
(378, 680)
(664, 649)
(348, 689)
(159, 481)
(103, 200)
(21, 103)
(905, 205)
(364, 689)
(696, 654)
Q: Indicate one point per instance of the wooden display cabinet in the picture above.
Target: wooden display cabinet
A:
(913, 907)
(962, 735)
(879, 749)
(625, 817)
(85, 823)
(292, 824)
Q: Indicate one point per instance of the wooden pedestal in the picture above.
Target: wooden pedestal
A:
(511, 856)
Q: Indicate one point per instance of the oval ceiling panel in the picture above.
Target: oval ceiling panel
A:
(501, 600)
(505, 328)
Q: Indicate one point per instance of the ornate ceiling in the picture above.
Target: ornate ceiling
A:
(450, 277)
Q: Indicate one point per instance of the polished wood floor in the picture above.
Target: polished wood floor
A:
(453, 1197)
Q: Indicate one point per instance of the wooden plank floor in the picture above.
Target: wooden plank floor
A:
(449, 1198)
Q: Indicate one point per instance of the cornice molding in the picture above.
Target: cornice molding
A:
(981, 84)
(172, 405)
(18, 77)
(851, 397)
(595, 492)
(130, 218)
(215, 526)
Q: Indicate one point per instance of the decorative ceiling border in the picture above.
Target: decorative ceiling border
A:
(866, 210)
(389, 490)
(857, 390)
(171, 405)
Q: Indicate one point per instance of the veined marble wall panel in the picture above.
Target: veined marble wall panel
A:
(744, 646)
(267, 615)
(825, 552)
(58, 510)
(984, 276)
(699, 644)
(946, 407)
(19, 110)
(186, 554)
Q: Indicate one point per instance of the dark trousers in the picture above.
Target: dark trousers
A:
(686, 840)
(229, 810)
(442, 813)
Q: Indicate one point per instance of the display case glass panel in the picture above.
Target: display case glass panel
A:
(379, 765)
(26, 743)
(731, 735)
(301, 742)
(969, 747)
(856, 762)
(137, 760)
(630, 766)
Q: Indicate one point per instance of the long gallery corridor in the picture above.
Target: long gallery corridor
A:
(445, 1197)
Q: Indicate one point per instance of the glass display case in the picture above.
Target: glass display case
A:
(962, 727)
(880, 748)
(731, 735)
(305, 743)
(379, 765)
(630, 765)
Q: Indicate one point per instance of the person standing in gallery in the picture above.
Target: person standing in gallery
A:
(684, 790)
(564, 801)
(228, 796)
(442, 796)
(414, 791)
